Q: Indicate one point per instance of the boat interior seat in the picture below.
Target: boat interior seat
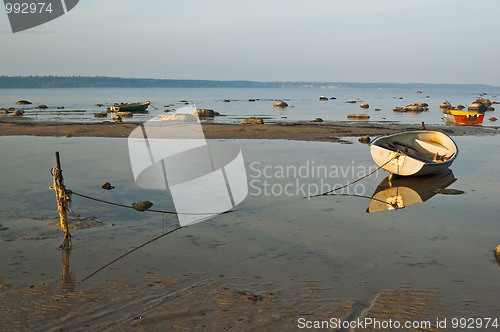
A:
(433, 147)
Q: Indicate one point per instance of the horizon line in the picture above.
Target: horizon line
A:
(240, 80)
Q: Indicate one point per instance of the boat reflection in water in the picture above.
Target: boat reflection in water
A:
(404, 191)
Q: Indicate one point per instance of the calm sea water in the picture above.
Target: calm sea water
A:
(80, 104)
(445, 243)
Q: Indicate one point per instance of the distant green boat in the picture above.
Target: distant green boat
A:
(129, 107)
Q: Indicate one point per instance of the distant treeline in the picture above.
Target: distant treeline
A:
(49, 82)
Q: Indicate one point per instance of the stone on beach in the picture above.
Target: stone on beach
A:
(493, 119)
(252, 120)
(204, 113)
(359, 116)
(178, 117)
(4, 111)
(318, 120)
(18, 113)
(280, 103)
(125, 114)
(42, 106)
(364, 105)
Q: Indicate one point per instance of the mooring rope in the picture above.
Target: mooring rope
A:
(131, 251)
(63, 199)
(361, 178)
(149, 210)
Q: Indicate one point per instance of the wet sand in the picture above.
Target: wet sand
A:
(304, 131)
(265, 267)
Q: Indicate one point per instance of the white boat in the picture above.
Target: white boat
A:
(418, 152)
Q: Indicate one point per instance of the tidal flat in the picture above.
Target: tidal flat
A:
(278, 257)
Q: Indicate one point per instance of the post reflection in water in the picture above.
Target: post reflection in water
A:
(400, 192)
(67, 278)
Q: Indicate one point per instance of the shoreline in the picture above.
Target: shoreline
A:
(301, 131)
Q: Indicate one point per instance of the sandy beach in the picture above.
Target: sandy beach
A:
(301, 131)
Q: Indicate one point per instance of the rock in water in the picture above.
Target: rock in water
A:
(252, 120)
(125, 114)
(23, 102)
(364, 105)
(318, 120)
(448, 191)
(280, 103)
(107, 186)
(204, 113)
(446, 106)
(18, 113)
(100, 115)
(358, 116)
(142, 205)
(497, 253)
(364, 139)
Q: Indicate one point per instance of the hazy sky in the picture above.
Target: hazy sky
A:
(432, 41)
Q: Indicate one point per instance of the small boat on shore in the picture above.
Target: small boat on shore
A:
(463, 117)
(129, 107)
(418, 152)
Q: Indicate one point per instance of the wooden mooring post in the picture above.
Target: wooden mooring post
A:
(62, 202)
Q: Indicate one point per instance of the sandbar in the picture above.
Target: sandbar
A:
(303, 131)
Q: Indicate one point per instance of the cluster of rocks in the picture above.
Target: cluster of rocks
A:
(415, 107)
(481, 105)
(12, 110)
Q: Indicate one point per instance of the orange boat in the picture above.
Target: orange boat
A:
(463, 117)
